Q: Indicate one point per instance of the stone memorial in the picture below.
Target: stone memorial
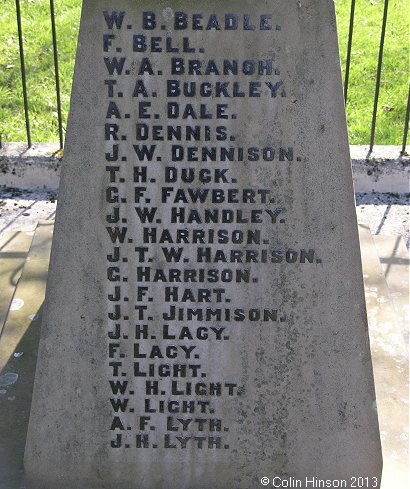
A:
(205, 323)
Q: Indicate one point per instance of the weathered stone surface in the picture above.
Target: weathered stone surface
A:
(14, 246)
(389, 341)
(18, 350)
(205, 323)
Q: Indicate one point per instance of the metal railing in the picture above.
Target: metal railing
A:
(23, 73)
(378, 75)
(346, 80)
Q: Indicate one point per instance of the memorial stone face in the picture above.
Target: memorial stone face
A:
(205, 323)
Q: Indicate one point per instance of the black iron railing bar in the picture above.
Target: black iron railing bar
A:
(23, 73)
(406, 125)
(378, 76)
(349, 48)
(56, 73)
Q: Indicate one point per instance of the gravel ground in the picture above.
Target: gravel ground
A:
(386, 214)
(21, 209)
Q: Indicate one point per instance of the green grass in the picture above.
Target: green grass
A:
(39, 64)
(40, 67)
(395, 74)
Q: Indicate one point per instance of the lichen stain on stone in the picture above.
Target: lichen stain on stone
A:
(4, 167)
(8, 379)
(342, 413)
